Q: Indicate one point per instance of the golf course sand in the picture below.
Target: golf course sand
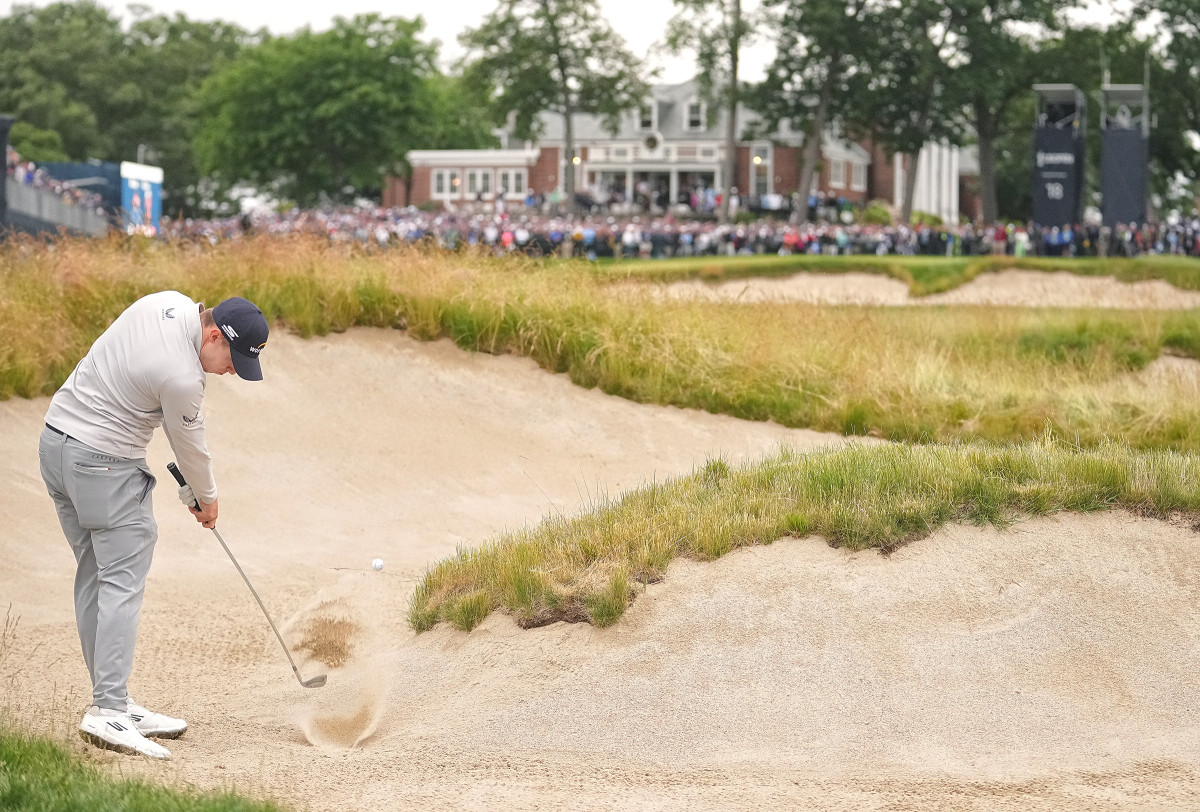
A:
(1054, 665)
(1012, 287)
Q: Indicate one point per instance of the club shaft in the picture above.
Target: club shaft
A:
(254, 592)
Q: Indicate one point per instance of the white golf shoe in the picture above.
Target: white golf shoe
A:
(149, 723)
(114, 730)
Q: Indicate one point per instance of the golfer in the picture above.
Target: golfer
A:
(146, 370)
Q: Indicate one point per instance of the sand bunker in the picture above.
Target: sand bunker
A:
(1012, 287)
(1053, 666)
(350, 707)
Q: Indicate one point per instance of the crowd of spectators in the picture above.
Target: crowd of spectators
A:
(27, 173)
(599, 236)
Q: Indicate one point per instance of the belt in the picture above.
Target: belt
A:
(60, 433)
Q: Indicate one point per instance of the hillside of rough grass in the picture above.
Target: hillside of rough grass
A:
(912, 374)
(590, 567)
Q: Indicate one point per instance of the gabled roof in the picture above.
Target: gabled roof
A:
(671, 103)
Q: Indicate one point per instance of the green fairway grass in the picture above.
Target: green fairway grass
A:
(39, 775)
(924, 275)
(590, 567)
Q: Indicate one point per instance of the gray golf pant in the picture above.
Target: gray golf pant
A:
(104, 507)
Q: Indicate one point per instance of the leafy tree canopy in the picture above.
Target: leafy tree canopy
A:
(36, 145)
(552, 55)
(318, 113)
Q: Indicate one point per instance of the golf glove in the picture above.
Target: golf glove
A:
(187, 497)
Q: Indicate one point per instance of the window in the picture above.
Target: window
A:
(760, 169)
(858, 178)
(646, 116)
(446, 183)
(837, 174)
(511, 182)
(696, 115)
(479, 182)
(621, 152)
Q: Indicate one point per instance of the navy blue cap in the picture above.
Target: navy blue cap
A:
(245, 328)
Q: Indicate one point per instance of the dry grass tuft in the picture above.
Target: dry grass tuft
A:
(589, 567)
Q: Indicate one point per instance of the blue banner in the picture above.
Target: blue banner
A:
(141, 198)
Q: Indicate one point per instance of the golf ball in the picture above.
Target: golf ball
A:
(377, 564)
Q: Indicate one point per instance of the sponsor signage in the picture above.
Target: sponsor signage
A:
(1057, 176)
(141, 198)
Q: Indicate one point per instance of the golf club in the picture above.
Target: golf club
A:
(314, 682)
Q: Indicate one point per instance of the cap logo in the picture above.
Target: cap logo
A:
(229, 331)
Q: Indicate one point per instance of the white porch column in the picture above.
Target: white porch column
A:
(629, 184)
(674, 186)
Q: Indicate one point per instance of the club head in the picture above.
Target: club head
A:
(315, 682)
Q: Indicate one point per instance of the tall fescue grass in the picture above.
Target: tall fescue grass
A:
(590, 567)
(39, 775)
(914, 374)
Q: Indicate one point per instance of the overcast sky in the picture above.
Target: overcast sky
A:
(640, 22)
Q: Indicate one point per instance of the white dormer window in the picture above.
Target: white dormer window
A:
(695, 115)
(837, 174)
(858, 177)
(648, 116)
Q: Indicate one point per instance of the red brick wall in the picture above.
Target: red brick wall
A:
(394, 189)
(543, 175)
(787, 170)
(881, 175)
(741, 170)
(421, 188)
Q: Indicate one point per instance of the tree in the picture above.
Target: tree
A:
(991, 49)
(459, 118)
(716, 31)
(1081, 56)
(63, 68)
(820, 47)
(36, 145)
(1175, 86)
(171, 57)
(556, 56)
(112, 95)
(317, 114)
(907, 97)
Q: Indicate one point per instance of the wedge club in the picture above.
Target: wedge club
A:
(313, 682)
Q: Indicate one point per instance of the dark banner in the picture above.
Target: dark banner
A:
(1057, 176)
(1124, 155)
(6, 123)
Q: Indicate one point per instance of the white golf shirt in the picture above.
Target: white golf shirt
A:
(143, 372)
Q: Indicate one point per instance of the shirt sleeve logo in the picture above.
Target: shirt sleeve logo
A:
(169, 313)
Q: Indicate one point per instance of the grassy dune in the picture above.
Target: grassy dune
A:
(590, 567)
(913, 374)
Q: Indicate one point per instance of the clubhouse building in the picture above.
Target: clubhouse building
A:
(667, 156)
